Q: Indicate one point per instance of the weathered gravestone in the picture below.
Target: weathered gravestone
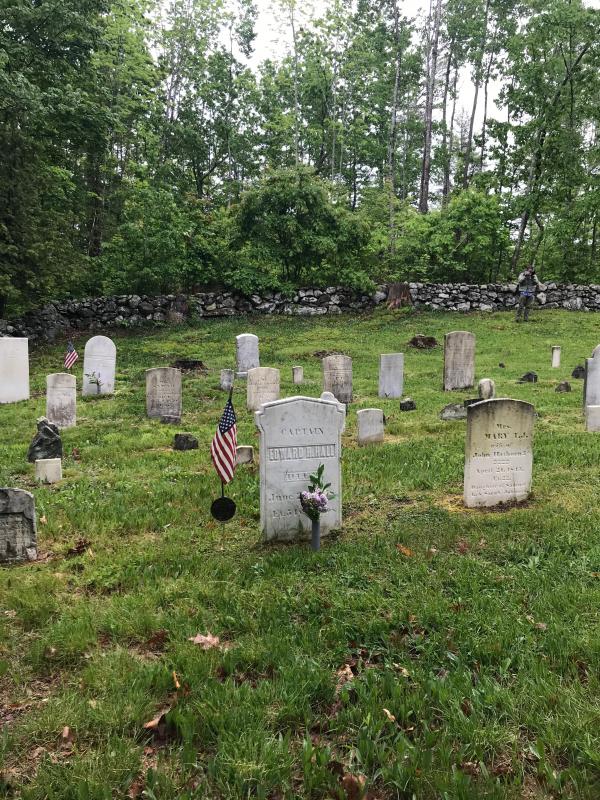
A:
(555, 357)
(163, 392)
(592, 418)
(296, 436)
(391, 374)
(453, 411)
(459, 360)
(591, 381)
(486, 389)
(370, 426)
(498, 452)
(337, 377)
(14, 369)
(46, 443)
(17, 526)
(48, 470)
(244, 454)
(61, 399)
(99, 365)
(226, 382)
(297, 375)
(263, 387)
(246, 349)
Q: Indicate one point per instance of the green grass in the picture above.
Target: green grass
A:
(483, 642)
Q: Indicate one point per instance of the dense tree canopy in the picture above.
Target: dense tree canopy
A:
(140, 151)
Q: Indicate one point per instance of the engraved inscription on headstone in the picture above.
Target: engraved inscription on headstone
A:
(459, 360)
(61, 399)
(498, 452)
(296, 436)
(17, 526)
(163, 392)
(99, 364)
(337, 377)
(14, 369)
(263, 387)
(247, 357)
(391, 374)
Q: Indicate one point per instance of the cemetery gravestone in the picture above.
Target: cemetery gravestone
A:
(61, 399)
(297, 375)
(14, 369)
(296, 436)
(592, 418)
(227, 376)
(246, 346)
(555, 357)
(337, 377)
(244, 454)
(498, 452)
(370, 426)
(486, 389)
(99, 364)
(391, 374)
(263, 387)
(48, 470)
(46, 443)
(163, 392)
(459, 360)
(591, 385)
(17, 526)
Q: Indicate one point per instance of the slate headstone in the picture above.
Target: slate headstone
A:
(163, 392)
(18, 534)
(391, 375)
(99, 365)
(247, 357)
(578, 373)
(459, 360)
(61, 399)
(337, 377)
(46, 443)
(14, 369)
(370, 426)
(263, 387)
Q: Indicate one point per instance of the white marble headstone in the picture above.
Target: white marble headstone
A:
(337, 377)
(99, 364)
(591, 384)
(247, 357)
(459, 360)
(48, 470)
(555, 356)
(592, 418)
(163, 392)
(297, 375)
(297, 435)
(498, 452)
(391, 374)
(486, 389)
(370, 426)
(61, 399)
(226, 382)
(14, 369)
(263, 387)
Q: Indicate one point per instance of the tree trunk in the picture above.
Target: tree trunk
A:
(432, 67)
(446, 185)
(468, 149)
(391, 150)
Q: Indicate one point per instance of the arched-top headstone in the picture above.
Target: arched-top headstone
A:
(297, 435)
(459, 360)
(247, 357)
(263, 387)
(498, 452)
(61, 399)
(99, 365)
(163, 392)
(14, 369)
(337, 377)
(486, 389)
(391, 374)
(17, 526)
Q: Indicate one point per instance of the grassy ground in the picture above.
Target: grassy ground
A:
(427, 651)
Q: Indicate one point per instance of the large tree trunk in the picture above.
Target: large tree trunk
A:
(446, 185)
(478, 65)
(430, 94)
(391, 150)
(448, 164)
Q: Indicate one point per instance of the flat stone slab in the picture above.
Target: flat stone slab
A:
(48, 470)
(244, 454)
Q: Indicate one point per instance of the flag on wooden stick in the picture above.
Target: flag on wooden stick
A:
(224, 444)
(71, 355)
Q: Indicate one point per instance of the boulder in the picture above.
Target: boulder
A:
(185, 441)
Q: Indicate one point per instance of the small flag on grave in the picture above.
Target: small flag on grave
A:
(223, 453)
(71, 355)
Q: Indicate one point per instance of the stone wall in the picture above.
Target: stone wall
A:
(59, 317)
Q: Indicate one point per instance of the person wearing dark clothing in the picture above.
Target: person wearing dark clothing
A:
(527, 285)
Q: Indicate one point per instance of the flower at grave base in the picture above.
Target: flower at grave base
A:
(314, 503)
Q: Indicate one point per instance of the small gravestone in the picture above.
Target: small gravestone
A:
(244, 454)
(459, 360)
(453, 411)
(578, 373)
(46, 443)
(99, 365)
(227, 376)
(592, 418)
(337, 377)
(297, 435)
(391, 374)
(14, 369)
(486, 389)
(498, 452)
(185, 441)
(61, 399)
(555, 357)
(370, 426)
(408, 404)
(591, 386)
(297, 375)
(422, 342)
(263, 387)
(528, 377)
(563, 386)
(17, 526)
(247, 357)
(48, 470)
(163, 392)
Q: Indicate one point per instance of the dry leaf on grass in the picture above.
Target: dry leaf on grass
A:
(389, 715)
(406, 551)
(462, 547)
(541, 626)
(43, 520)
(205, 641)
(344, 676)
(353, 786)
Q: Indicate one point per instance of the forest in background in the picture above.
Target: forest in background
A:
(140, 152)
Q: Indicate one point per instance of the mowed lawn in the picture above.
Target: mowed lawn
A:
(426, 651)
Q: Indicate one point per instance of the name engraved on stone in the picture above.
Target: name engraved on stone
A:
(61, 399)
(459, 360)
(163, 392)
(337, 377)
(14, 369)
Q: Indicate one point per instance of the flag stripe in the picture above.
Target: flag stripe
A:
(223, 447)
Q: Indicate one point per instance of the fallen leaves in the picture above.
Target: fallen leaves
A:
(389, 715)
(43, 520)
(206, 641)
(541, 626)
(79, 548)
(406, 551)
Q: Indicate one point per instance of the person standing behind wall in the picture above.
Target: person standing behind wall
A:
(527, 285)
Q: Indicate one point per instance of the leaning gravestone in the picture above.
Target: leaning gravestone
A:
(337, 377)
(263, 387)
(459, 360)
(99, 364)
(498, 452)
(61, 399)
(391, 374)
(14, 369)
(486, 389)
(46, 443)
(246, 347)
(17, 526)
(591, 384)
(163, 392)
(296, 436)
(370, 426)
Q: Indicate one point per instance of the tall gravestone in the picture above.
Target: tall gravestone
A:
(459, 360)
(14, 369)
(391, 374)
(591, 383)
(262, 387)
(163, 392)
(61, 399)
(337, 377)
(498, 452)
(246, 350)
(18, 533)
(296, 436)
(555, 357)
(99, 365)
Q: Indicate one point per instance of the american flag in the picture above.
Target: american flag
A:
(224, 444)
(71, 356)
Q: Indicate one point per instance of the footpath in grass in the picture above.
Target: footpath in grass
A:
(426, 651)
